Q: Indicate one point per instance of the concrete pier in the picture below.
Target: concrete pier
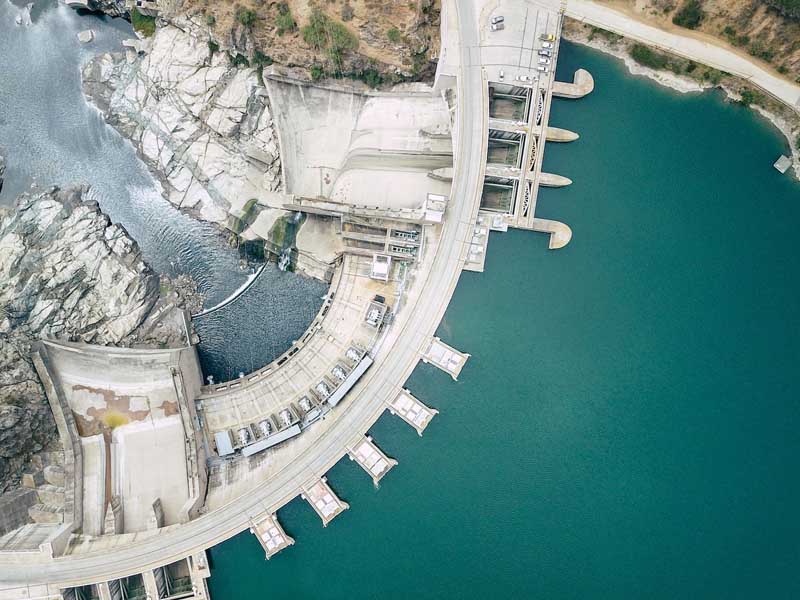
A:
(476, 257)
(406, 406)
(371, 458)
(270, 534)
(323, 500)
(582, 84)
(553, 180)
(447, 358)
(560, 233)
(556, 134)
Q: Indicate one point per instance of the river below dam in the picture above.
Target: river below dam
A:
(52, 136)
(628, 424)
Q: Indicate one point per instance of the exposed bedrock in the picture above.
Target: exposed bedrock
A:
(202, 125)
(2, 171)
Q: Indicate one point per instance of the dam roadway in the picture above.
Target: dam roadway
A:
(399, 354)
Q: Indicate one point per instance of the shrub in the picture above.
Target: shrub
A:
(690, 15)
(797, 142)
(371, 77)
(261, 59)
(648, 58)
(317, 72)
(347, 13)
(246, 17)
(212, 47)
(394, 35)
(788, 8)
(751, 97)
(240, 60)
(759, 50)
(285, 21)
(142, 23)
(324, 33)
(211, 20)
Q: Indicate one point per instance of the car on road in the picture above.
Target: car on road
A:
(545, 53)
(498, 26)
(525, 78)
(498, 19)
(548, 37)
(547, 45)
(544, 61)
(543, 69)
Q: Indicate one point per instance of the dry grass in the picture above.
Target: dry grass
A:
(394, 36)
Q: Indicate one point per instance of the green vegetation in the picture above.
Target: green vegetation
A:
(735, 39)
(317, 72)
(239, 60)
(212, 47)
(690, 15)
(760, 50)
(323, 33)
(751, 97)
(142, 23)
(788, 8)
(394, 35)
(211, 20)
(713, 76)
(246, 17)
(609, 35)
(262, 60)
(648, 57)
(797, 142)
(285, 20)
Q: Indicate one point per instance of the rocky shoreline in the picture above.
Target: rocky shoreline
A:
(200, 123)
(619, 47)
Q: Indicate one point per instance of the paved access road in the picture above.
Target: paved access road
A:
(685, 45)
(397, 359)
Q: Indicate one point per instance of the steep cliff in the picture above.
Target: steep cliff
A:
(200, 122)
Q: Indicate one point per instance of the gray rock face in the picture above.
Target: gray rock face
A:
(201, 124)
(2, 171)
(67, 272)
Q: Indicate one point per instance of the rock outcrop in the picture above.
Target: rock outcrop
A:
(2, 171)
(67, 272)
(201, 123)
(114, 8)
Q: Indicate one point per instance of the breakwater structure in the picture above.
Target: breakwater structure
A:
(161, 467)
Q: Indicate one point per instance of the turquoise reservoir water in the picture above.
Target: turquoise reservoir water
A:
(628, 425)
